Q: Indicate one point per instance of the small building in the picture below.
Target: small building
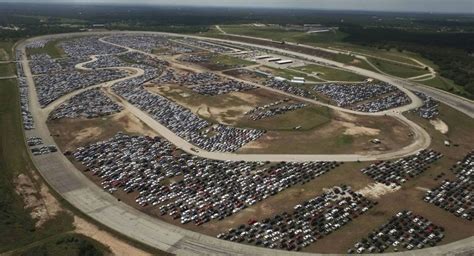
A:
(282, 62)
(262, 57)
(273, 59)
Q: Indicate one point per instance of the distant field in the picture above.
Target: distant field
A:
(396, 69)
(6, 50)
(288, 73)
(332, 74)
(7, 69)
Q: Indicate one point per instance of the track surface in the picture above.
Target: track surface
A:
(83, 194)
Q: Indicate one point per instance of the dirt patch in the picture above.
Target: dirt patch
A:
(354, 130)
(346, 116)
(355, 62)
(440, 126)
(42, 204)
(116, 246)
(3, 55)
(376, 190)
(87, 133)
(72, 133)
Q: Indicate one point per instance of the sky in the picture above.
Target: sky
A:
(443, 6)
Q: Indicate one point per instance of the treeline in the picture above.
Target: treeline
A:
(451, 52)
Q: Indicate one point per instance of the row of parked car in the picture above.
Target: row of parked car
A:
(91, 103)
(456, 196)
(186, 187)
(183, 122)
(309, 222)
(405, 230)
(394, 173)
(348, 94)
(429, 109)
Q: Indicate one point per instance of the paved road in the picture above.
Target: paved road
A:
(83, 194)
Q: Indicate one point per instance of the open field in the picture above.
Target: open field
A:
(66, 244)
(226, 109)
(7, 69)
(444, 84)
(229, 62)
(288, 73)
(6, 50)
(340, 134)
(332, 74)
(396, 69)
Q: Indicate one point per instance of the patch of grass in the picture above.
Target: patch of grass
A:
(331, 74)
(51, 48)
(6, 50)
(345, 139)
(447, 85)
(396, 69)
(68, 244)
(289, 74)
(307, 118)
(17, 228)
(8, 69)
(230, 61)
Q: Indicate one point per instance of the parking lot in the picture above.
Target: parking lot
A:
(310, 221)
(205, 190)
(404, 231)
(456, 196)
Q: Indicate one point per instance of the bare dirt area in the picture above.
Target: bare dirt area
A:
(116, 246)
(72, 133)
(376, 190)
(39, 201)
(340, 134)
(440, 126)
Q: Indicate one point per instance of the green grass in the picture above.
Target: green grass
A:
(51, 48)
(289, 74)
(17, 228)
(396, 69)
(230, 61)
(280, 34)
(446, 85)
(331, 74)
(8, 69)
(67, 245)
(6, 50)
(308, 118)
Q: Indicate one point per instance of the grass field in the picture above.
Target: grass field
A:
(8, 69)
(445, 84)
(308, 118)
(396, 69)
(288, 73)
(6, 50)
(332, 74)
(51, 48)
(17, 227)
(66, 244)
(230, 61)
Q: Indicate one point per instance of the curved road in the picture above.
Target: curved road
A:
(83, 194)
